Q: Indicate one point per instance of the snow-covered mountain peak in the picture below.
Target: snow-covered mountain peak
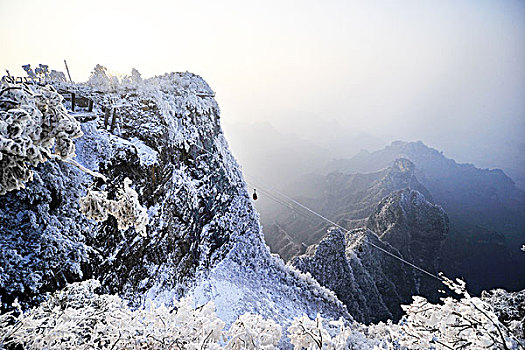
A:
(364, 267)
(203, 236)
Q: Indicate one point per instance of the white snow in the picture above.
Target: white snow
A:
(147, 155)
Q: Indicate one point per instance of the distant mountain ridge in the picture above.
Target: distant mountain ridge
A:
(485, 208)
(487, 197)
(348, 199)
(371, 283)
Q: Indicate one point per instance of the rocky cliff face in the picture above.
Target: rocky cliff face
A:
(368, 281)
(203, 236)
(417, 228)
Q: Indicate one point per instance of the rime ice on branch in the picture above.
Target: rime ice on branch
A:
(126, 209)
(34, 126)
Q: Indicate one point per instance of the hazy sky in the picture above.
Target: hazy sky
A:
(450, 73)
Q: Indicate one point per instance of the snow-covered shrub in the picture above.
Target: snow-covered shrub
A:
(57, 76)
(126, 208)
(194, 328)
(77, 317)
(253, 332)
(467, 323)
(456, 324)
(99, 78)
(34, 126)
(307, 333)
(509, 307)
(94, 205)
(128, 211)
(136, 78)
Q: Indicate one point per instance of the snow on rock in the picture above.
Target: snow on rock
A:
(250, 279)
(416, 227)
(203, 236)
(372, 284)
(147, 155)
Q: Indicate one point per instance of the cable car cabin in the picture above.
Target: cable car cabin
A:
(254, 195)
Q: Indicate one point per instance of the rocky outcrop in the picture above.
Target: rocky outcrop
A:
(486, 210)
(371, 283)
(281, 241)
(417, 228)
(203, 236)
(348, 199)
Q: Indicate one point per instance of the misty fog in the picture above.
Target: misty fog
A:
(339, 75)
(450, 74)
(302, 84)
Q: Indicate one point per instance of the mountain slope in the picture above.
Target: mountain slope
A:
(203, 228)
(347, 199)
(486, 211)
(371, 283)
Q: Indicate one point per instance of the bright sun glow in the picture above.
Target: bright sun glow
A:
(374, 66)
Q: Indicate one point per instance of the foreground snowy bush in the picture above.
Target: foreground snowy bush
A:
(34, 127)
(305, 333)
(253, 332)
(126, 208)
(457, 324)
(467, 323)
(509, 307)
(77, 317)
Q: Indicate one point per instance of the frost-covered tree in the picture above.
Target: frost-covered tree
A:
(102, 80)
(30, 72)
(34, 127)
(99, 78)
(126, 208)
(509, 307)
(77, 317)
(136, 77)
(42, 72)
(57, 76)
(465, 323)
(253, 332)
(305, 333)
(128, 211)
(456, 324)
(308, 334)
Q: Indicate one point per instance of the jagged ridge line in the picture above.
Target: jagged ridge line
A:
(339, 226)
(347, 231)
